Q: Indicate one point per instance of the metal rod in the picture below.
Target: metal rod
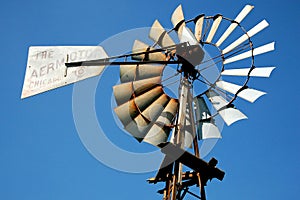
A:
(107, 62)
(174, 186)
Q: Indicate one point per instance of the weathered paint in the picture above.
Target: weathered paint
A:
(46, 68)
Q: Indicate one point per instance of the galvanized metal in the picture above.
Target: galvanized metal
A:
(229, 115)
(257, 51)
(256, 29)
(206, 128)
(214, 28)
(248, 94)
(256, 72)
(246, 10)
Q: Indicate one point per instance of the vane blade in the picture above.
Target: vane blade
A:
(126, 91)
(178, 20)
(246, 10)
(46, 68)
(248, 94)
(257, 72)
(188, 36)
(198, 27)
(139, 47)
(217, 100)
(259, 27)
(144, 121)
(229, 115)
(159, 35)
(214, 28)
(259, 50)
(160, 131)
(131, 109)
(205, 129)
(208, 131)
(138, 72)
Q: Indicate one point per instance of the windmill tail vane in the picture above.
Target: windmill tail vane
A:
(173, 124)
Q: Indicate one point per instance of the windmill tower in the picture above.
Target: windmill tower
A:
(146, 111)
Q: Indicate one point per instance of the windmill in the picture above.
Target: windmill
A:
(147, 112)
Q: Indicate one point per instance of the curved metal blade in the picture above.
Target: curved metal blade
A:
(208, 131)
(258, 72)
(248, 94)
(188, 36)
(259, 27)
(178, 20)
(130, 110)
(126, 91)
(159, 35)
(259, 50)
(199, 27)
(160, 131)
(229, 115)
(139, 47)
(214, 28)
(144, 121)
(246, 10)
(205, 129)
(138, 72)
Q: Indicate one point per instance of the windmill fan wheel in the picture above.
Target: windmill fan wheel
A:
(149, 114)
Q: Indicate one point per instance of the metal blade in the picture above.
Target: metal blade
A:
(126, 91)
(46, 68)
(214, 28)
(199, 27)
(159, 35)
(208, 131)
(258, 72)
(160, 131)
(205, 129)
(130, 110)
(139, 47)
(144, 121)
(188, 36)
(229, 115)
(138, 72)
(259, 27)
(246, 10)
(178, 17)
(259, 50)
(248, 94)
(217, 101)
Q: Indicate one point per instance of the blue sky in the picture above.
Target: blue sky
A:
(42, 156)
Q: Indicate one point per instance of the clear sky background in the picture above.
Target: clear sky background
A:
(41, 155)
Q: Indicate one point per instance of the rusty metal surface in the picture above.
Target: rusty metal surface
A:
(139, 46)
